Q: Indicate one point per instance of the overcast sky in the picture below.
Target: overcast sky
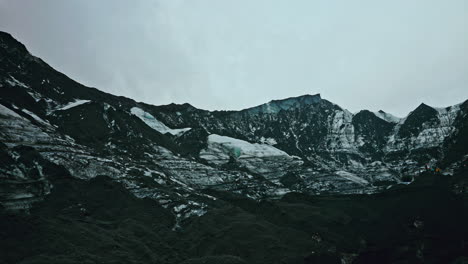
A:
(225, 54)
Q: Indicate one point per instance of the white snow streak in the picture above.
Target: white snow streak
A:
(350, 176)
(155, 124)
(77, 102)
(38, 119)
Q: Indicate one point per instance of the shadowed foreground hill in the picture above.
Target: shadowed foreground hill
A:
(98, 221)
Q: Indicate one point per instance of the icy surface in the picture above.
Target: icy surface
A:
(155, 124)
(243, 149)
(257, 158)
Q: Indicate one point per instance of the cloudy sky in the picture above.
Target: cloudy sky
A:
(223, 54)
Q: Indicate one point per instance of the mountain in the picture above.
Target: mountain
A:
(251, 151)
(192, 165)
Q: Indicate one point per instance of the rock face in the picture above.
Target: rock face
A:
(22, 177)
(171, 153)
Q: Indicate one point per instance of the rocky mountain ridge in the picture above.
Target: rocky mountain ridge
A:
(172, 153)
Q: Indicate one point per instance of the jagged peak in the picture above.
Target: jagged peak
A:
(173, 107)
(423, 105)
(423, 108)
(300, 98)
(10, 46)
(387, 117)
(274, 106)
(8, 42)
(363, 111)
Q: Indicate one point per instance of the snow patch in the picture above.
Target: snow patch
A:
(241, 148)
(155, 124)
(35, 117)
(269, 141)
(77, 102)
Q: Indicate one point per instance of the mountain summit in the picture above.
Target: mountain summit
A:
(275, 106)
